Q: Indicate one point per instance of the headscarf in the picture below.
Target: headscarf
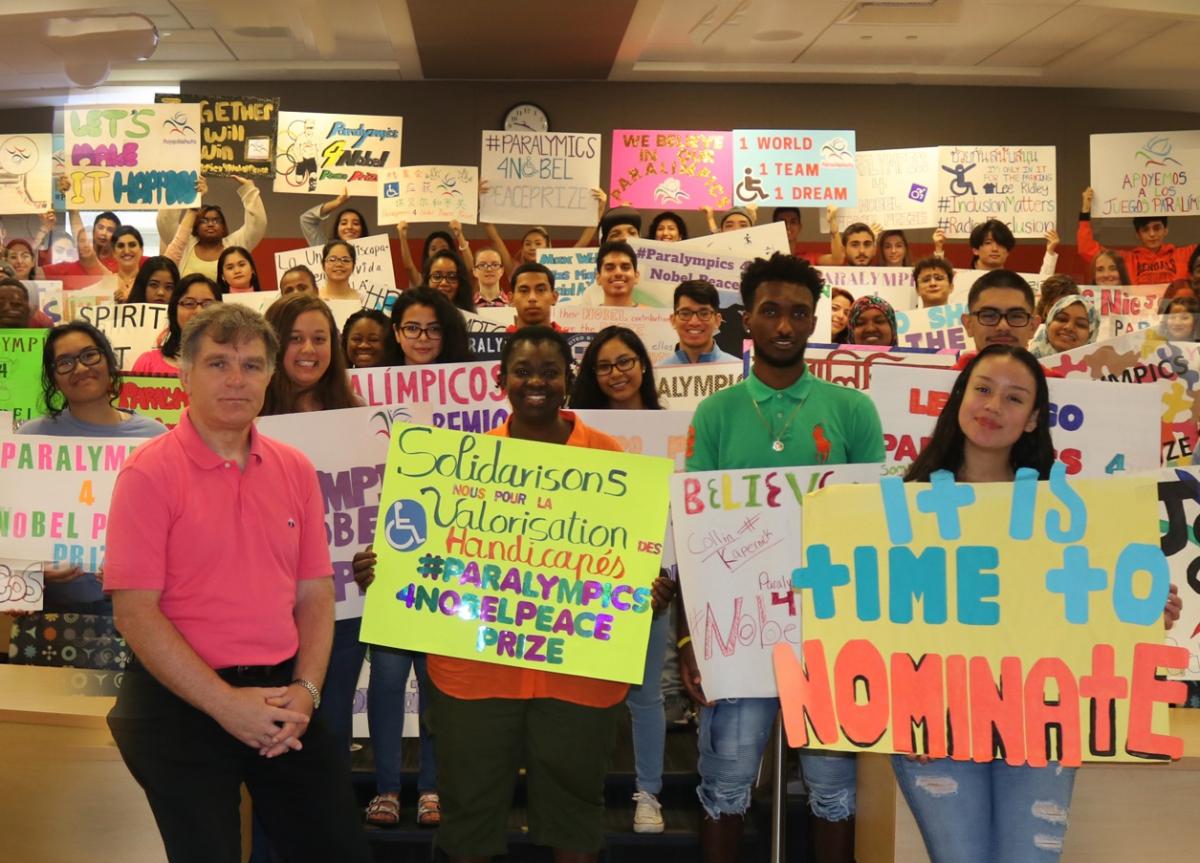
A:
(1041, 347)
(865, 304)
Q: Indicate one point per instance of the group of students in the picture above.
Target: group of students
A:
(995, 422)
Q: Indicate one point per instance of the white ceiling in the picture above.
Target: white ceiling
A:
(1128, 45)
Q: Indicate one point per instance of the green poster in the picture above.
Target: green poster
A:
(21, 373)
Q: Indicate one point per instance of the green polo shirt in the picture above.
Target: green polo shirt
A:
(835, 425)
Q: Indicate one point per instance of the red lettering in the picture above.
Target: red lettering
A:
(1145, 692)
(917, 689)
(996, 711)
(1042, 715)
(805, 688)
(860, 663)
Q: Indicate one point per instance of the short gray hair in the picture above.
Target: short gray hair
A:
(227, 323)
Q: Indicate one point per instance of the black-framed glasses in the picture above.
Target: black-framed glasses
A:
(488, 265)
(339, 259)
(448, 278)
(1014, 317)
(190, 303)
(623, 364)
(686, 315)
(433, 332)
(65, 364)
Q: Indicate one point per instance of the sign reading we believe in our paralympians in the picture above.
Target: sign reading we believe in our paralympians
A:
(323, 154)
(429, 193)
(1016, 185)
(539, 177)
(132, 157)
(794, 168)
(237, 133)
(519, 553)
(671, 169)
(1146, 174)
(54, 500)
(737, 541)
(1010, 620)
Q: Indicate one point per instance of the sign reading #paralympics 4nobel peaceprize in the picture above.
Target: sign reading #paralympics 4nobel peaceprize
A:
(799, 167)
(132, 157)
(1019, 621)
(518, 553)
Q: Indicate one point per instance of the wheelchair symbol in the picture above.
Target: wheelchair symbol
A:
(404, 525)
(391, 190)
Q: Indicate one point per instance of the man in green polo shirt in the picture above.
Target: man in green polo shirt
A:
(778, 416)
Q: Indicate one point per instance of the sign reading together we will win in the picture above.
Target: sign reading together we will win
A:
(1019, 621)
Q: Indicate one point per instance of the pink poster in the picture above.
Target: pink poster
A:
(671, 170)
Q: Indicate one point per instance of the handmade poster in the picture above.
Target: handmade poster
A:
(1145, 174)
(934, 328)
(1170, 369)
(1179, 515)
(22, 585)
(737, 540)
(1112, 326)
(760, 241)
(517, 553)
(1134, 301)
(374, 275)
(429, 193)
(132, 157)
(851, 365)
(54, 501)
(46, 296)
(652, 324)
(893, 284)
(1096, 431)
(541, 178)
(459, 396)
(964, 279)
(7, 424)
(26, 163)
(662, 266)
(797, 168)
(574, 271)
(260, 301)
(159, 397)
(896, 189)
(59, 159)
(237, 133)
(671, 170)
(132, 328)
(21, 373)
(348, 448)
(1016, 185)
(683, 387)
(658, 433)
(326, 154)
(1017, 621)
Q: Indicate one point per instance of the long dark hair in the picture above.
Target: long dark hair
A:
(456, 347)
(587, 394)
(137, 294)
(945, 449)
(245, 253)
(333, 228)
(332, 391)
(170, 347)
(435, 235)
(463, 295)
(52, 396)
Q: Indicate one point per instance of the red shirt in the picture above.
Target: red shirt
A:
(471, 680)
(224, 547)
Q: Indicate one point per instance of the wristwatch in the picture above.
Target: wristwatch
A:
(312, 690)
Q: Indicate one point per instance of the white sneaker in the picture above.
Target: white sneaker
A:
(647, 818)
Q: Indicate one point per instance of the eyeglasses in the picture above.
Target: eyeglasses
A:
(623, 364)
(491, 265)
(686, 315)
(448, 278)
(189, 303)
(210, 220)
(991, 317)
(433, 332)
(338, 259)
(65, 364)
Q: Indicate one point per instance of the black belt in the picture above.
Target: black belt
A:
(238, 674)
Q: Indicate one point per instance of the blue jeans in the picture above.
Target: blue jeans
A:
(831, 779)
(646, 710)
(990, 813)
(385, 713)
(733, 737)
(341, 681)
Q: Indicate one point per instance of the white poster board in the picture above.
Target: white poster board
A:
(1015, 184)
(1145, 174)
(374, 276)
(760, 241)
(325, 154)
(539, 178)
(896, 189)
(683, 387)
(429, 193)
(894, 284)
(26, 163)
(132, 328)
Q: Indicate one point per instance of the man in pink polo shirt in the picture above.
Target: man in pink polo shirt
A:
(222, 585)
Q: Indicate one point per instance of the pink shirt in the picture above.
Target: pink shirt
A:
(152, 363)
(226, 547)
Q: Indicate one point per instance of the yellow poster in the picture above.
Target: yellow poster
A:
(1020, 621)
(519, 553)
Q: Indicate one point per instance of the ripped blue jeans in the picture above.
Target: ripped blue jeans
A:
(987, 813)
(733, 736)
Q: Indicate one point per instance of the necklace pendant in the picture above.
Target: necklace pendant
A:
(777, 446)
